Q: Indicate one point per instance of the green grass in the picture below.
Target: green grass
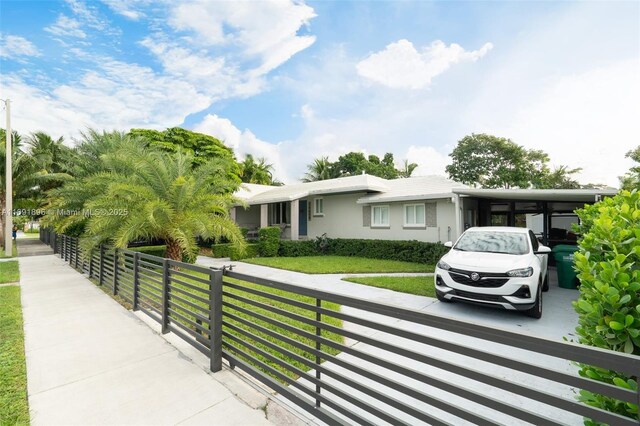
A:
(194, 278)
(14, 252)
(421, 286)
(9, 272)
(339, 264)
(14, 408)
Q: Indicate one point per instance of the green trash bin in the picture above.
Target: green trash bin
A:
(563, 254)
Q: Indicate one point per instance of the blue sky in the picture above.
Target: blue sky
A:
(291, 81)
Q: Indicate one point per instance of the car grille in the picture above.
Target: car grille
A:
(487, 279)
(479, 296)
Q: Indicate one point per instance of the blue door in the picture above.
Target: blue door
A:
(302, 221)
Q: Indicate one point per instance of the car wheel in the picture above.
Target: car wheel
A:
(545, 284)
(441, 298)
(536, 310)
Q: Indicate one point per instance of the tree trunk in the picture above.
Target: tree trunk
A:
(173, 250)
(2, 218)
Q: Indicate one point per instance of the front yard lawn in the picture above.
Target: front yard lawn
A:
(339, 264)
(14, 408)
(421, 286)
(9, 272)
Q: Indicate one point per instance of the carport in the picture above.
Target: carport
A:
(549, 212)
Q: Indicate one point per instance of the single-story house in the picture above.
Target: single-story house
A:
(426, 208)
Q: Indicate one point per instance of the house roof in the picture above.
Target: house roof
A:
(344, 185)
(558, 195)
(380, 190)
(414, 188)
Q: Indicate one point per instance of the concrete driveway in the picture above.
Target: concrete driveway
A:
(558, 321)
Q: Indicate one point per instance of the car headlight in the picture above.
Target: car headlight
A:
(443, 265)
(524, 272)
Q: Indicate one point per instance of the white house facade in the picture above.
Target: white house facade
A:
(426, 208)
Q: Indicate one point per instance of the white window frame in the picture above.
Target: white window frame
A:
(406, 224)
(316, 211)
(373, 215)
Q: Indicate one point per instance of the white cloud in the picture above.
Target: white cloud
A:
(265, 29)
(12, 46)
(66, 27)
(245, 142)
(127, 8)
(401, 66)
(587, 120)
(429, 160)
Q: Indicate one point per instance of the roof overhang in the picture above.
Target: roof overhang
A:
(551, 195)
(376, 199)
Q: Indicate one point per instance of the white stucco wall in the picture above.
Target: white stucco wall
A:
(343, 218)
(249, 218)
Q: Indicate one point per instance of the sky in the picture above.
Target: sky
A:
(293, 81)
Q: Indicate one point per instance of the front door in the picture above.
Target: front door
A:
(302, 221)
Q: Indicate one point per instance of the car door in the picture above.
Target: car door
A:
(543, 258)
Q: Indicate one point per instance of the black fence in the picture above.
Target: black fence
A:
(350, 361)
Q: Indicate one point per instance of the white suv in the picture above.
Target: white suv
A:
(495, 266)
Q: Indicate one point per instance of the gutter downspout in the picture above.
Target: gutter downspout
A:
(458, 208)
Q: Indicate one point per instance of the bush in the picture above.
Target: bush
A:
(407, 251)
(150, 250)
(228, 250)
(298, 248)
(268, 241)
(609, 301)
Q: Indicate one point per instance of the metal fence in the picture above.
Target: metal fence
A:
(351, 361)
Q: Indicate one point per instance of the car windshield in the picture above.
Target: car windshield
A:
(493, 242)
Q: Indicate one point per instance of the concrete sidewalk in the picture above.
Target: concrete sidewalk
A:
(90, 361)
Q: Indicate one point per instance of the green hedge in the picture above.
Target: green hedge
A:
(408, 251)
(269, 241)
(150, 250)
(227, 250)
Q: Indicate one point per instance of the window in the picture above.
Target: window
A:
(278, 213)
(380, 216)
(318, 207)
(414, 215)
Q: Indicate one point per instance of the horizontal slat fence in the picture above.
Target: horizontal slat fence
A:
(351, 361)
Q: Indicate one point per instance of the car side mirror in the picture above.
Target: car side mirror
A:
(448, 244)
(543, 250)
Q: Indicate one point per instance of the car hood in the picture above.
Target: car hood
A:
(485, 262)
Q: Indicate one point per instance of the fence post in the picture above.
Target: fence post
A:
(91, 263)
(55, 243)
(135, 280)
(101, 270)
(115, 272)
(318, 347)
(77, 251)
(64, 248)
(215, 320)
(165, 296)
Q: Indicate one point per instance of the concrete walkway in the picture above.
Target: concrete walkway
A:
(32, 247)
(90, 361)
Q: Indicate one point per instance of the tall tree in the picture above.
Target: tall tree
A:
(252, 171)
(494, 162)
(631, 179)
(320, 169)
(407, 169)
(140, 192)
(24, 172)
(559, 178)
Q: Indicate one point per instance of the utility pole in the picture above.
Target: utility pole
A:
(8, 224)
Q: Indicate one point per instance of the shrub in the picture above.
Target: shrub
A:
(408, 251)
(150, 250)
(609, 301)
(228, 250)
(268, 241)
(298, 248)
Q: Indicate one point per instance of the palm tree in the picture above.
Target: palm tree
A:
(259, 172)
(140, 192)
(407, 169)
(24, 174)
(321, 169)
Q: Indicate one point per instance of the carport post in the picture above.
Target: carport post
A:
(545, 223)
